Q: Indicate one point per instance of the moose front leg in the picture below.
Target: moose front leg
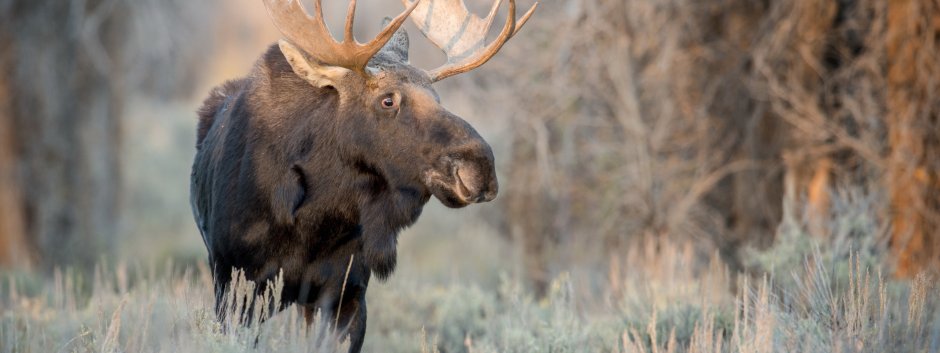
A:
(350, 323)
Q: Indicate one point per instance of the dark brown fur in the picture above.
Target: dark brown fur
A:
(289, 177)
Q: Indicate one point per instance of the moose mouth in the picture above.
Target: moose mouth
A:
(460, 187)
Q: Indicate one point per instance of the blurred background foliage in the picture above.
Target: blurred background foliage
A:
(760, 131)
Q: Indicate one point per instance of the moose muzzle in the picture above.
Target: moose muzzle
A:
(466, 175)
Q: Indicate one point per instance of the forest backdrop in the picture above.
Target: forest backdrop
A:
(720, 124)
(613, 119)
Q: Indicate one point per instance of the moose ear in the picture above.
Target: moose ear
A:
(397, 46)
(318, 75)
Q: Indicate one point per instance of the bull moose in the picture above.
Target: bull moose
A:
(312, 164)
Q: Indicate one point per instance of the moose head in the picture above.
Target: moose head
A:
(403, 133)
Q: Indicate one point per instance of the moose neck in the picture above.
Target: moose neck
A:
(339, 180)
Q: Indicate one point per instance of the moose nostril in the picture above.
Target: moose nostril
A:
(491, 190)
(485, 195)
(489, 196)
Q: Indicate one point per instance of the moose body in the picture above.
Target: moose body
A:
(311, 165)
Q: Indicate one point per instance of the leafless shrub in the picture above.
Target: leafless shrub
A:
(697, 120)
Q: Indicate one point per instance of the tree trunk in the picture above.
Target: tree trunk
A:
(13, 250)
(912, 120)
(60, 178)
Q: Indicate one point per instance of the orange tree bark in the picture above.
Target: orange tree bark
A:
(912, 121)
(13, 250)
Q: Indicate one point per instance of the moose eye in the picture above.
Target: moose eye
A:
(389, 102)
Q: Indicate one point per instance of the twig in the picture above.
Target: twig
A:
(343, 291)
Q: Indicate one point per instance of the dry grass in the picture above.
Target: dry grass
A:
(660, 297)
(149, 312)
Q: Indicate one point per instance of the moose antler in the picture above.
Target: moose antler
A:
(312, 36)
(462, 35)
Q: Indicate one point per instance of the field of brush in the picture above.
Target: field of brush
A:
(810, 295)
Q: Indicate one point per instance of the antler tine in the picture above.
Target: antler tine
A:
(525, 18)
(317, 10)
(462, 35)
(478, 58)
(492, 15)
(312, 36)
(350, 19)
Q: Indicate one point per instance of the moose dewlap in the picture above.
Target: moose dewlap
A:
(311, 164)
